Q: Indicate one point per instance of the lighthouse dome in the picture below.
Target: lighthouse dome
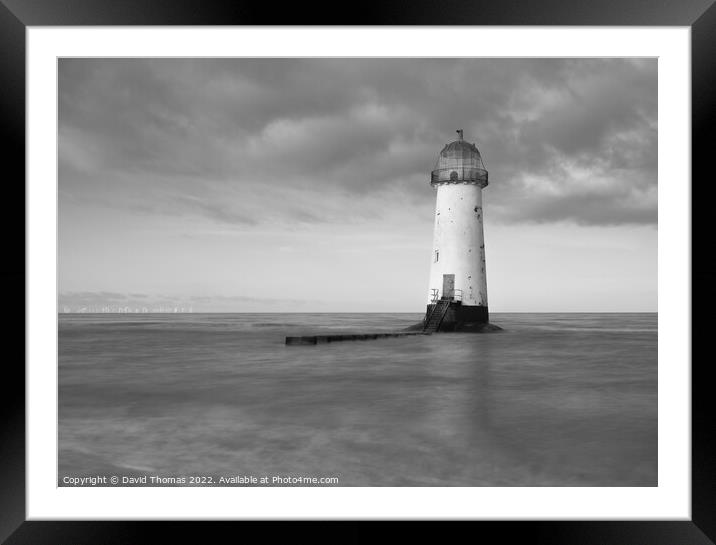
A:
(459, 161)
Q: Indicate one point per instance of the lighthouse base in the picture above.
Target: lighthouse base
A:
(473, 319)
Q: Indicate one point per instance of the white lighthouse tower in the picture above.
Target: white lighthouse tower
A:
(457, 299)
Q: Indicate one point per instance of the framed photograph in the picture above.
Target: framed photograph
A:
(258, 261)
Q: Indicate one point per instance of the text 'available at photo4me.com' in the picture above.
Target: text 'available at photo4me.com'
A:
(198, 480)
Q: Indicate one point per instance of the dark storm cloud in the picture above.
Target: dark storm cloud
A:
(563, 139)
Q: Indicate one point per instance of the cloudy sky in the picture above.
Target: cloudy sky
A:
(302, 185)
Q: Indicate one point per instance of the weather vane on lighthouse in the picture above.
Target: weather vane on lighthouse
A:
(458, 279)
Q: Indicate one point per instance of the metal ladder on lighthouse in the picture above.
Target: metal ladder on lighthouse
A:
(435, 318)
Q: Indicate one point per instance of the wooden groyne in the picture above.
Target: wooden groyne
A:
(322, 339)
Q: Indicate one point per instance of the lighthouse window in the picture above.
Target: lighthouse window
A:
(437, 256)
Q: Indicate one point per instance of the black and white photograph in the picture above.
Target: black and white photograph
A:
(357, 272)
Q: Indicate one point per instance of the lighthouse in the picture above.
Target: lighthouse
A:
(457, 299)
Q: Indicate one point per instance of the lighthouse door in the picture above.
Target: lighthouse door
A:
(448, 286)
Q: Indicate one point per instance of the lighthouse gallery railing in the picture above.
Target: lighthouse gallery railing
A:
(459, 174)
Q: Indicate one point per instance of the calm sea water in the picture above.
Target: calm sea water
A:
(553, 400)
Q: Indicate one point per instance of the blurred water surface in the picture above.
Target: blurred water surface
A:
(553, 400)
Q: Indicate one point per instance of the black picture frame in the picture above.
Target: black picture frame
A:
(16, 15)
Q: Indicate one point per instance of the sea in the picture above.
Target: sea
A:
(221, 400)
